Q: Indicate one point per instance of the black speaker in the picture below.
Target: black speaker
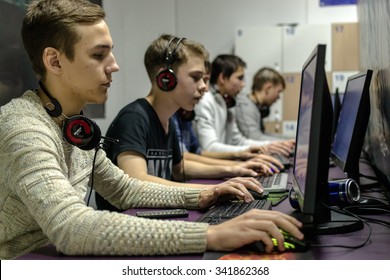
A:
(166, 78)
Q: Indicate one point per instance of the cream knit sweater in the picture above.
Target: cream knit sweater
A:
(43, 183)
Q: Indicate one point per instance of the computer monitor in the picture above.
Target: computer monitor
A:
(312, 151)
(352, 124)
(336, 102)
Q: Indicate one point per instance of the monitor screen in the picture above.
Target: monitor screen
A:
(312, 151)
(352, 124)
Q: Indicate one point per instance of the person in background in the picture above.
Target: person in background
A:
(148, 147)
(251, 109)
(191, 149)
(215, 122)
(49, 155)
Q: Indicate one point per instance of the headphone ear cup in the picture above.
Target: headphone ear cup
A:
(82, 132)
(264, 110)
(185, 115)
(166, 79)
(230, 101)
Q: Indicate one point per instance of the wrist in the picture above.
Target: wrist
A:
(206, 196)
(228, 170)
(211, 238)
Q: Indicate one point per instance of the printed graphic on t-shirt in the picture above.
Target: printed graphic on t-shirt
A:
(160, 163)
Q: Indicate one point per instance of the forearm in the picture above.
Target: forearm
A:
(178, 177)
(222, 155)
(209, 160)
(199, 170)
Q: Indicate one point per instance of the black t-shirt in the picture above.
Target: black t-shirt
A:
(138, 128)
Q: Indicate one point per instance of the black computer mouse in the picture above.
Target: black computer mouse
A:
(291, 244)
(258, 196)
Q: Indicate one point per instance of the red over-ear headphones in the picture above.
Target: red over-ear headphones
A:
(166, 78)
(230, 101)
(77, 130)
(82, 132)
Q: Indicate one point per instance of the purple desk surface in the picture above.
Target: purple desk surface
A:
(376, 249)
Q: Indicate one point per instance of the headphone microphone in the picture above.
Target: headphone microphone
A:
(166, 78)
(110, 139)
(77, 130)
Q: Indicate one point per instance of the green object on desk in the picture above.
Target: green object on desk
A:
(277, 198)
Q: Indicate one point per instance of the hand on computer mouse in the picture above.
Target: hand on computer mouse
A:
(258, 195)
(291, 244)
(252, 226)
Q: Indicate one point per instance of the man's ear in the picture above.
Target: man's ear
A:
(267, 86)
(51, 61)
(221, 79)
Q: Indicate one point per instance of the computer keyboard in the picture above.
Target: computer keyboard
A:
(283, 159)
(230, 209)
(274, 183)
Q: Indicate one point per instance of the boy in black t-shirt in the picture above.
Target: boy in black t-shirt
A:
(148, 147)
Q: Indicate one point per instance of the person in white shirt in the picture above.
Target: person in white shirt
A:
(215, 121)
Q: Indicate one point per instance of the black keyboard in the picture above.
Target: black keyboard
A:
(228, 210)
(275, 183)
(283, 159)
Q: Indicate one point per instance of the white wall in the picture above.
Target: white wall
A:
(135, 23)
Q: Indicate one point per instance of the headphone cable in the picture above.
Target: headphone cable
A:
(100, 146)
(181, 143)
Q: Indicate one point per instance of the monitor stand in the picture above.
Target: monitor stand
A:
(339, 223)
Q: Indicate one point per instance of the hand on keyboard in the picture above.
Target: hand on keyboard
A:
(248, 168)
(254, 225)
(232, 188)
(283, 147)
(270, 164)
